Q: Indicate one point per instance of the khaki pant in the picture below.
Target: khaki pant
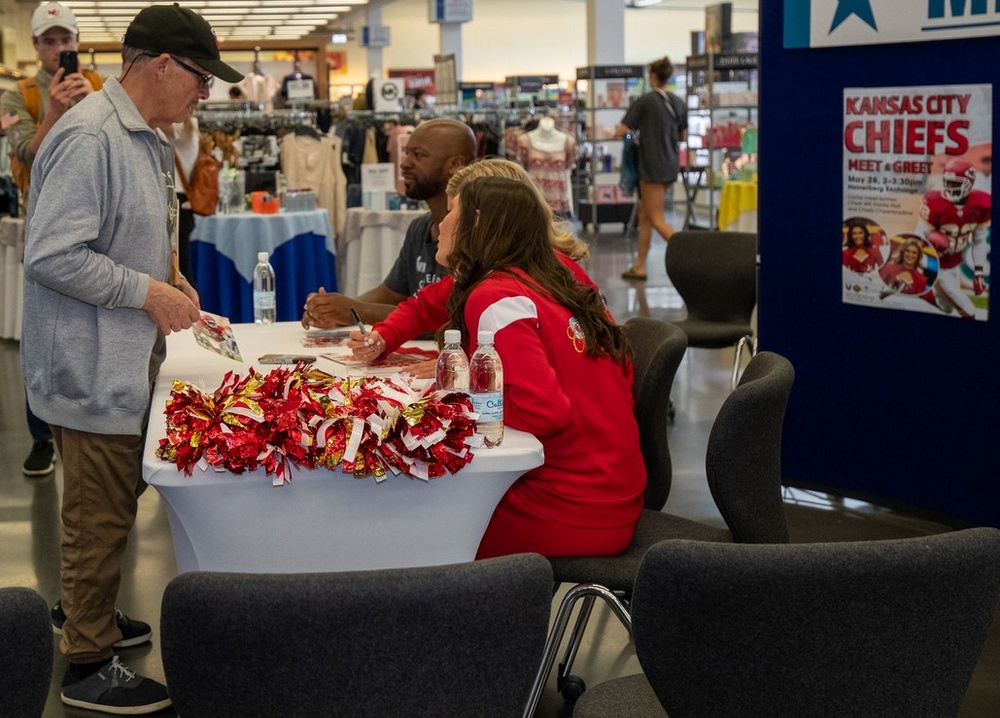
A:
(102, 481)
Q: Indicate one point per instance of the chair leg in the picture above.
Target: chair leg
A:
(575, 639)
(751, 343)
(559, 624)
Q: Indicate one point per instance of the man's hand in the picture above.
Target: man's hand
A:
(189, 292)
(170, 309)
(979, 282)
(66, 89)
(324, 310)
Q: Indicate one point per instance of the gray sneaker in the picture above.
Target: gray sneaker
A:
(116, 689)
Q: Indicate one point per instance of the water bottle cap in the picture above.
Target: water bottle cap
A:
(485, 336)
(262, 256)
(452, 336)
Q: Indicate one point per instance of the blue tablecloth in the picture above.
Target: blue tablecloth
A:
(224, 253)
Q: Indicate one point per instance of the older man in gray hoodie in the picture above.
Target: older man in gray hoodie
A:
(99, 297)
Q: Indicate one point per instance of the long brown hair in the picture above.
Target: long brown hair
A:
(503, 225)
(562, 238)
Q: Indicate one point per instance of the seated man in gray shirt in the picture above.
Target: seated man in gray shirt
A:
(435, 151)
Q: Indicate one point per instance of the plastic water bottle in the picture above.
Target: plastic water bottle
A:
(225, 189)
(263, 291)
(452, 365)
(486, 389)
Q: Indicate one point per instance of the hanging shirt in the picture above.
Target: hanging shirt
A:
(259, 87)
(313, 162)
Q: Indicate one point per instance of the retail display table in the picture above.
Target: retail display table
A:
(224, 251)
(738, 206)
(372, 240)
(321, 520)
(11, 276)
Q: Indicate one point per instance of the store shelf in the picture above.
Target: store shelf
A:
(722, 110)
(603, 94)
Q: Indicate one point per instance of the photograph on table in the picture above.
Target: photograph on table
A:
(215, 333)
(397, 361)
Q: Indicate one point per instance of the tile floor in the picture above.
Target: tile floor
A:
(29, 509)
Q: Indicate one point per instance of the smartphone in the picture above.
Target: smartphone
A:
(286, 358)
(69, 62)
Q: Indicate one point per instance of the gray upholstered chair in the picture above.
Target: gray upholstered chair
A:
(456, 640)
(867, 629)
(25, 653)
(657, 350)
(716, 275)
(743, 467)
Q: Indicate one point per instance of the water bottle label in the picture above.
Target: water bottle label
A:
(263, 300)
(488, 406)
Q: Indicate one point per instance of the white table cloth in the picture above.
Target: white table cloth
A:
(322, 520)
(11, 276)
(224, 251)
(371, 242)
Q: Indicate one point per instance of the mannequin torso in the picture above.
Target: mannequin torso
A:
(546, 137)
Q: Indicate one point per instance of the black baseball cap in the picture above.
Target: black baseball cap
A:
(177, 30)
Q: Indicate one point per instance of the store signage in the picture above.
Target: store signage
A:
(834, 23)
(450, 10)
(917, 166)
(735, 61)
(388, 95)
(530, 84)
(374, 36)
(378, 182)
(609, 72)
(301, 89)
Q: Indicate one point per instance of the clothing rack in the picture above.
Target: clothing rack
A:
(232, 120)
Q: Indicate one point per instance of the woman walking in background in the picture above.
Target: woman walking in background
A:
(660, 118)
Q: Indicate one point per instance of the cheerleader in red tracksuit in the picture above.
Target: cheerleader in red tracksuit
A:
(567, 376)
(427, 310)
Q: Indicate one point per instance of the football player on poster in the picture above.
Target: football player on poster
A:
(955, 220)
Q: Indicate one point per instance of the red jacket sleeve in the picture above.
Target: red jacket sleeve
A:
(426, 311)
(534, 400)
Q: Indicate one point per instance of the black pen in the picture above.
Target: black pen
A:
(361, 324)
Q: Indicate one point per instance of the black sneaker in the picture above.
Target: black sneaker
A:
(133, 632)
(40, 460)
(116, 689)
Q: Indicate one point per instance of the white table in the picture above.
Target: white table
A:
(322, 520)
(371, 242)
(11, 276)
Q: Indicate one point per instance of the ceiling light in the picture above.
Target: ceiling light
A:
(263, 19)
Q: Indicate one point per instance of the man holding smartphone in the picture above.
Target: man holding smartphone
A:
(38, 102)
(41, 100)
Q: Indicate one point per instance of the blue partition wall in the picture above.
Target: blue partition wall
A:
(894, 406)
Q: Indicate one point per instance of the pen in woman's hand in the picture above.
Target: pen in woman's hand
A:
(371, 339)
(357, 320)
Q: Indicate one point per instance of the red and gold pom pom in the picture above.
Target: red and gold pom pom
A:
(305, 418)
